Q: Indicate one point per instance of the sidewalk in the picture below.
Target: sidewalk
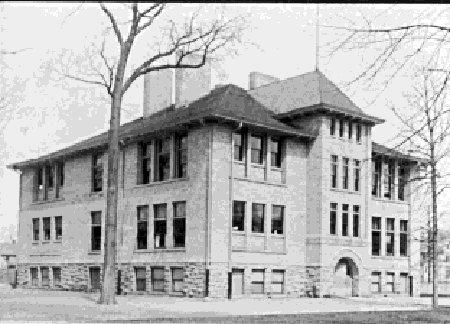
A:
(35, 305)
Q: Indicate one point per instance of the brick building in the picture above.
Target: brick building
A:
(276, 190)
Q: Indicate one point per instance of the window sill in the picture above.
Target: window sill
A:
(276, 169)
(387, 200)
(159, 250)
(278, 184)
(94, 252)
(97, 194)
(57, 241)
(346, 191)
(257, 166)
(280, 236)
(53, 200)
(389, 257)
(258, 234)
(242, 233)
(46, 242)
(35, 243)
(156, 183)
(239, 162)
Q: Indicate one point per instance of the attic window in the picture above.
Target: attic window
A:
(333, 126)
(239, 147)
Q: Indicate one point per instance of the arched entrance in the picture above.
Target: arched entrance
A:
(345, 279)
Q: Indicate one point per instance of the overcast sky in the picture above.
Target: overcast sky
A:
(51, 114)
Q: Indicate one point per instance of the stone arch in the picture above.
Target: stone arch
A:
(346, 272)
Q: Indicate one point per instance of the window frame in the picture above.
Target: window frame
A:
(256, 230)
(376, 230)
(345, 172)
(404, 251)
(162, 166)
(278, 283)
(94, 227)
(58, 228)
(356, 218)
(341, 128)
(36, 229)
(181, 156)
(390, 275)
(239, 150)
(333, 218)
(282, 208)
(350, 129)
(236, 216)
(390, 236)
(345, 223)
(276, 157)
(153, 279)
(358, 133)
(57, 279)
(378, 282)
(257, 282)
(34, 280)
(402, 181)
(389, 178)
(45, 281)
(145, 162)
(140, 282)
(175, 280)
(97, 172)
(158, 219)
(46, 229)
(142, 227)
(333, 126)
(257, 155)
(334, 171)
(178, 218)
(377, 169)
(356, 175)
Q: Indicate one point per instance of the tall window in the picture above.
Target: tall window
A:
(401, 182)
(257, 218)
(334, 171)
(45, 278)
(181, 156)
(142, 227)
(238, 215)
(345, 173)
(50, 171)
(97, 172)
(257, 281)
(60, 168)
(40, 178)
(177, 279)
(96, 230)
(376, 235)
(403, 237)
(275, 152)
(350, 130)
(356, 174)
(390, 234)
(388, 178)
(333, 214)
(34, 276)
(332, 126)
(46, 228)
(345, 220)
(35, 229)
(58, 227)
(277, 219)
(355, 220)
(358, 132)
(257, 149)
(157, 279)
(376, 176)
(277, 286)
(239, 147)
(160, 225)
(146, 162)
(141, 278)
(179, 224)
(341, 128)
(56, 276)
(390, 281)
(162, 159)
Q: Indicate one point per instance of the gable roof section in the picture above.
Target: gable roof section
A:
(384, 150)
(307, 92)
(226, 103)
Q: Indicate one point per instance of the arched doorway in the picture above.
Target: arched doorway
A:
(345, 279)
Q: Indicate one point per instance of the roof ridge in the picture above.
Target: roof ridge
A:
(281, 80)
(338, 89)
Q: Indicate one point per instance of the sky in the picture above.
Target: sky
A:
(51, 113)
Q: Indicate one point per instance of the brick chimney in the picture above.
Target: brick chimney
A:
(258, 79)
(176, 86)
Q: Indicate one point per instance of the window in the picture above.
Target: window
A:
(145, 163)
(376, 235)
(345, 173)
(277, 282)
(177, 279)
(58, 227)
(277, 219)
(350, 130)
(275, 152)
(60, 168)
(179, 224)
(257, 281)
(390, 281)
(257, 218)
(96, 230)
(341, 128)
(97, 172)
(157, 279)
(162, 159)
(142, 227)
(376, 177)
(403, 237)
(239, 147)
(332, 126)
(401, 182)
(141, 279)
(257, 152)
(45, 276)
(358, 132)
(345, 220)
(355, 220)
(46, 228)
(35, 229)
(40, 176)
(94, 277)
(403, 283)
(356, 174)
(334, 170)
(181, 156)
(50, 172)
(376, 282)
(56, 276)
(34, 276)
(388, 168)
(160, 225)
(238, 216)
(333, 213)
(390, 232)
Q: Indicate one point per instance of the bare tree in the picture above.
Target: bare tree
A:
(193, 37)
(426, 130)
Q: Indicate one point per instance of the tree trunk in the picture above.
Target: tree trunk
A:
(434, 207)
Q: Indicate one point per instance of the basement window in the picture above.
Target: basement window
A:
(401, 182)
(158, 279)
(145, 161)
(277, 286)
(333, 126)
(257, 281)
(179, 224)
(141, 278)
(177, 279)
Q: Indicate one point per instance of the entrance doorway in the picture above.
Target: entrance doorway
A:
(345, 279)
(237, 282)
